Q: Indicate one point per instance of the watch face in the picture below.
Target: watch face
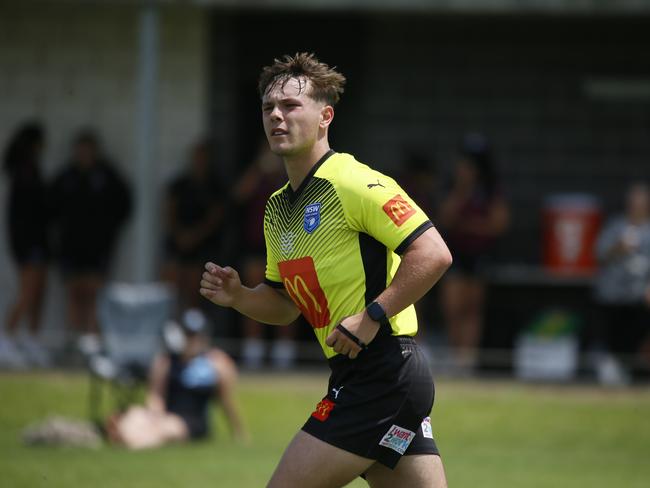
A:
(376, 312)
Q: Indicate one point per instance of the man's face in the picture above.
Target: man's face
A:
(85, 154)
(291, 118)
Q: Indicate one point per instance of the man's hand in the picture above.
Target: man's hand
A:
(221, 286)
(360, 325)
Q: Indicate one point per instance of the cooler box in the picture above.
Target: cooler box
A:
(571, 223)
(547, 349)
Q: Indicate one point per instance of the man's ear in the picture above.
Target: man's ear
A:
(326, 116)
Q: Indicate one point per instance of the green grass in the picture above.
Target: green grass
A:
(491, 435)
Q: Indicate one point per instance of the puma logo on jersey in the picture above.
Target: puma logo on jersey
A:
(372, 185)
(336, 392)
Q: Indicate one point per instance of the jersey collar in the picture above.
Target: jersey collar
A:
(294, 195)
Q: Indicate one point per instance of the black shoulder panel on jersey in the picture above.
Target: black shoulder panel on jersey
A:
(373, 256)
(421, 229)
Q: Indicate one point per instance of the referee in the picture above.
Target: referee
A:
(349, 249)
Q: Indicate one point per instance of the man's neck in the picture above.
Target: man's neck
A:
(300, 165)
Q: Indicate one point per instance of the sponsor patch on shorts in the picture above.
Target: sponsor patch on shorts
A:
(397, 439)
(323, 409)
(426, 428)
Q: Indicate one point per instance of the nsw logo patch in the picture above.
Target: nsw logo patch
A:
(397, 438)
(312, 217)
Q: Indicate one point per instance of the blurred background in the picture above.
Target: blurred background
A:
(133, 151)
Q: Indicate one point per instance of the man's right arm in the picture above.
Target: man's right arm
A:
(222, 286)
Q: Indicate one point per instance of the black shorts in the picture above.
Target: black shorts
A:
(469, 265)
(197, 424)
(72, 266)
(26, 251)
(377, 405)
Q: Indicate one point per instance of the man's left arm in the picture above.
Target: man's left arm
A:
(423, 263)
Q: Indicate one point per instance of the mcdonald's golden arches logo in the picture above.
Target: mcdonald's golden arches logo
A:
(398, 209)
(301, 282)
(323, 409)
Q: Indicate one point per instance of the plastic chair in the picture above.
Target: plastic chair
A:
(131, 320)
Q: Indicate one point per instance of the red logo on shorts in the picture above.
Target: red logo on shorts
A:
(398, 209)
(323, 409)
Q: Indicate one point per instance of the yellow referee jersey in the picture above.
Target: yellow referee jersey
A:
(334, 243)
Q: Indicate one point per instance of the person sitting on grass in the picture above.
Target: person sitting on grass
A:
(181, 386)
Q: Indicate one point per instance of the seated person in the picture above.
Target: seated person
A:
(182, 383)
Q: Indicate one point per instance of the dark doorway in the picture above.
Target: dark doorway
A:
(259, 37)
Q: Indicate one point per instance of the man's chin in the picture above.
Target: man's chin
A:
(282, 150)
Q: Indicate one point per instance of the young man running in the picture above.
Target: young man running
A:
(348, 249)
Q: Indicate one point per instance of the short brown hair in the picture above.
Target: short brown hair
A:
(326, 83)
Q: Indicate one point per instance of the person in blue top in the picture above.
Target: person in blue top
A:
(183, 381)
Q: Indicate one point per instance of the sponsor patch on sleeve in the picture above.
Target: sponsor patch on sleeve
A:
(397, 438)
(426, 428)
(398, 209)
(323, 409)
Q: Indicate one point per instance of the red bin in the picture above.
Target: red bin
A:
(571, 223)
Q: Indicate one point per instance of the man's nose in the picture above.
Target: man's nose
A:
(276, 113)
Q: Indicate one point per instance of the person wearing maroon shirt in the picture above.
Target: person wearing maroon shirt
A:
(473, 215)
(264, 175)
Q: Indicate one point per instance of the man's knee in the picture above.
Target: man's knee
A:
(419, 471)
(309, 462)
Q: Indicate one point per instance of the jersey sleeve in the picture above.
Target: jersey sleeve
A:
(376, 205)
(272, 274)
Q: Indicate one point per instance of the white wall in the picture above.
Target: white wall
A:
(72, 66)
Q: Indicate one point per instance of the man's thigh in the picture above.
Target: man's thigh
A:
(418, 471)
(309, 462)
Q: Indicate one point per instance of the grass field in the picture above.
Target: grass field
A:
(491, 435)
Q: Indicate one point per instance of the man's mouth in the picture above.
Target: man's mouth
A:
(279, 132)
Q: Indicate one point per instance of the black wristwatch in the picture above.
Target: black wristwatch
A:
(376, 312)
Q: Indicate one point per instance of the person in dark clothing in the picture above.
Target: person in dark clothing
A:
(27, 217)
(183, 382)
(418, 177)
(473, 214)
(262, 177)
(90, 203)
(194, 207)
